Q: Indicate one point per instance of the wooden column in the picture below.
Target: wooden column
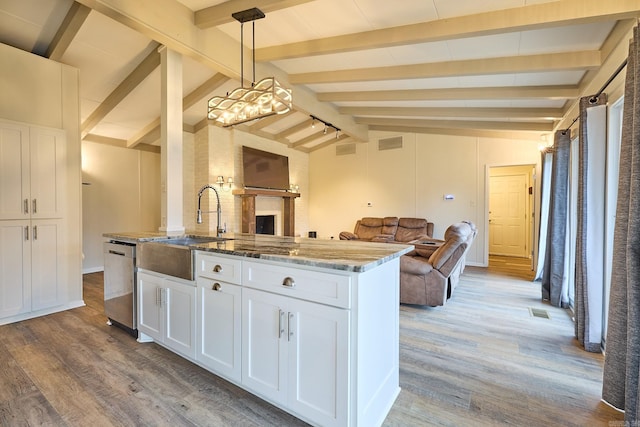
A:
(249, 209)
(289, 213)
(249, 213)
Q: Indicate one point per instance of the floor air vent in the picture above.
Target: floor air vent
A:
(538, 312)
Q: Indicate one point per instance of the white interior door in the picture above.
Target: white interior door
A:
(508, 215)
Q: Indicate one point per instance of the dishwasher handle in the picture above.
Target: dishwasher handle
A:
(111, 251)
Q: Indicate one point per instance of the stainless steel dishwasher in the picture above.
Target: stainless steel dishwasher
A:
(120, 285)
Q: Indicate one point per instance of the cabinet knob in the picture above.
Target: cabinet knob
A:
(216, 287)
(217, 268)
(288, 282)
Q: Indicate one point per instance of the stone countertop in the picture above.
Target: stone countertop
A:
(333, 254)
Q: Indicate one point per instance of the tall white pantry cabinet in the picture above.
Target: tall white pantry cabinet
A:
(32, 185)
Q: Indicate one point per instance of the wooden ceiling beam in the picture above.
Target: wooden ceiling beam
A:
(294, 129)
(142, 71)
(221, 13)
(314, 136)
(341, 138)
(66, 33)
(501, 113)
(203, 90)
(267, 121)
(457, 124)
(516, 92)
(531, 17)
(173, 26)
(151, 132)
(564, 61)
(475, 133)
(119, 143)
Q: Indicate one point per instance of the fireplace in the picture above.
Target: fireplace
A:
(285, 218)
(266, 224)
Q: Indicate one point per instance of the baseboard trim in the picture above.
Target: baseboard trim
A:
(40, 313)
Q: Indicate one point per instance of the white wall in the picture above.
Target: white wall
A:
(123, 195)
(42, 92)
(411, 182)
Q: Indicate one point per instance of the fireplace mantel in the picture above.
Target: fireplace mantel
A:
(249, 208)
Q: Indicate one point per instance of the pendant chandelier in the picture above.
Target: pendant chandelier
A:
(262, 99)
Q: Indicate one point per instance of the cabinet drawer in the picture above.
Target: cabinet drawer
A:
(218, 267)
(315, 286)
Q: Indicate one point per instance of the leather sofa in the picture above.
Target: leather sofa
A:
(390, 229)
(430, 273)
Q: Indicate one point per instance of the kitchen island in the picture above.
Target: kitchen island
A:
(310, 325)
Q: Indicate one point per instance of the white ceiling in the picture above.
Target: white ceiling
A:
(107, 50)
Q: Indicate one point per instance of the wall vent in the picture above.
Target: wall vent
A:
(344, 149)
(538, 312)
(390, 143)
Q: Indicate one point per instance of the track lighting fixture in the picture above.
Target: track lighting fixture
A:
(327, 125)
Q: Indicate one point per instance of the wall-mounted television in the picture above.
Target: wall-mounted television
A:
(265, 170)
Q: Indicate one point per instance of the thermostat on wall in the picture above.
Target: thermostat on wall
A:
(448, 197)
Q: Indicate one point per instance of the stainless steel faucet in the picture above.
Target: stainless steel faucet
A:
(219, 229)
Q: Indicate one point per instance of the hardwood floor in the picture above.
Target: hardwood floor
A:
(481, 360)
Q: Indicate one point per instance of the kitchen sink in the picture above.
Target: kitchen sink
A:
(172, 256)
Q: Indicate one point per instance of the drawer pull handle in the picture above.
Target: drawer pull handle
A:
(288, 282)
(217, 268)
(216, 287)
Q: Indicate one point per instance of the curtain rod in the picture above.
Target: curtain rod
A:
(604, 86)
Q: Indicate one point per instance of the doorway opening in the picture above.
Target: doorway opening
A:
(511, 206)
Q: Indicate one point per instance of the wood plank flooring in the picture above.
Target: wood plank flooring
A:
(481, 360)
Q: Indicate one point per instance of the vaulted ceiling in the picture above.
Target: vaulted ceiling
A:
(499, 67)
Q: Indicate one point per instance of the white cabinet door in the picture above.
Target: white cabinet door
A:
(15, 268)
(218, 325)
(32, 165)
(318, 362)
(297, 353)
(180, 316)
(47, 166)
(46, 275)
(264, 344)
(14, 171)
(150, 316)
(167, 312)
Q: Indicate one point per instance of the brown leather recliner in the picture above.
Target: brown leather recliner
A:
(412, 229)
(389, 229)
(429, 274)
(373, 229)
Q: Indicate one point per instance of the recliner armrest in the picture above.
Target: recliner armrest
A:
(347, 235)
(415, 265)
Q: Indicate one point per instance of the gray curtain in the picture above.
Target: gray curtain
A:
(622, 358)
(589, 279)
(545, 188)
(554, 280)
